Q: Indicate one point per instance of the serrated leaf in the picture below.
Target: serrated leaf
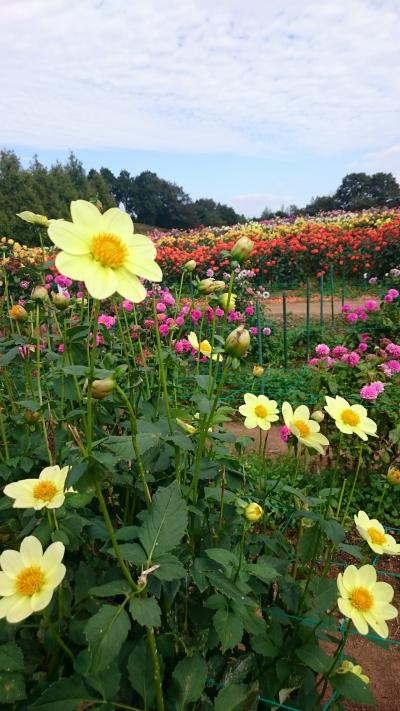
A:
(263, 571)
(333, 530)
(63, 695)
(234, 698)
(106, 632)
(222, 556)
(145, 611)
(309, 543)
(229, 628)
(190, 676)
(352, 687)
(140, 672)
(170, 568)
(114, 587)
(324, 593)
(11, 658)
(314, 657)
(165, 523)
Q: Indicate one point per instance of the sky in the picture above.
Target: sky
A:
(257, 103)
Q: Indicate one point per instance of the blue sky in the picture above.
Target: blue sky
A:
(253, 104)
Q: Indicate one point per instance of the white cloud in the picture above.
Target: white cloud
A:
(257, 78)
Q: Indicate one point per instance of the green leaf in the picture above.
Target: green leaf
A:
(11, 658)
(132, 552)
(235, 697)
(165, 523)
(355, 551)
(308, 544)
(107, 683)
(145, 611)
(170, 568)
(140, 672)
(106, 632)
(6, 358)
(352, 687)
(261, 570)
(229, 628)
(115, 587)
(12, 687)
(333, 530)
(228, 588)
(312, 656)
(190, 676)
(222, 556)
(63, 695)
(325, 593)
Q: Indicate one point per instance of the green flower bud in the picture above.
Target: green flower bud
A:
(393, 475)
(237, 342)
(258, 371)
(190, 266)
(227, 302)
(60, 300)
(102, 388)
(40, 293)
(210, 285)
(318, 416)
(242, 249)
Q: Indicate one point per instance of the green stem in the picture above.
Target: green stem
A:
(346, 511)
(162, 371)
(139, 461)
(57, 637)
(156, 668)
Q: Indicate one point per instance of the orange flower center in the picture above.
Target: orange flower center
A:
(376, 536)
(261, 411)
(30, 580)
(350, 417)
(302, 427)
(361, 599)
(44, 490)
(109, 250)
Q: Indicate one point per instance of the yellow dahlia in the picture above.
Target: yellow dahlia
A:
(259, 411)
(103, 251)
(204, 347)
(372, 531)
(348, 666)
(305, 429)
(28, 578)
(45, 492)
(350, 419)
(364, 600)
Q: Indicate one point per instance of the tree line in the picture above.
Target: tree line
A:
(357, 191)
(150, 200)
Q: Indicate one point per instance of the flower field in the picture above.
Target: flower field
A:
(155, 553)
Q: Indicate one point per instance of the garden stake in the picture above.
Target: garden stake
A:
(308, 294)
(321, 302)
(285, 344)
(332, 295)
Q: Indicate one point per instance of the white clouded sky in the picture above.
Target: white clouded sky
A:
(279, 80)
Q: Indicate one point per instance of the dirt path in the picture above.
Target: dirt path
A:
(298, 306)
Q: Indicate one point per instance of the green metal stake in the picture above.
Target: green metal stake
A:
(260, 345)
(285, 344)
(332, 294)
(343, 281)
(308, 296)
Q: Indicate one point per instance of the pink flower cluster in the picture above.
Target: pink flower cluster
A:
(391, 295)
(372, 390)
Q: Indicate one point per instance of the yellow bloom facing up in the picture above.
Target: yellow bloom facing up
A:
(259, 411)
(103, 251)
(28, 578)
(305, 429)
(204, 347)
(350, 419)
(348, 667)
(364, 600)
(373, 532)
(45, 492)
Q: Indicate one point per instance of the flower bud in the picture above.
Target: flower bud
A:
(102, 388)
(258, 370)
(33, 218)
(393, 475)
(210, 285)
(253, 512)
(317, 415)
(186, 426)
(227, 302)
(18, 313)
(190, 266)
(237, 342)
(40, 293)
(242, 249)
(31, 416)
(61, 300)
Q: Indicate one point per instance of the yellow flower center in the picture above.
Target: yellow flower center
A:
(261, 411)
(205, 347)
(30, 580)
(376, 536)
(109, 250)
(302, 427)
(350, 417)
(361, 599)
(44, 490)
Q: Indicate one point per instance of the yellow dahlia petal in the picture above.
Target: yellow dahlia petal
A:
(359, 621)
(73, 266)
(147, 269)
(31, 551)
(130, 287)
(6, 604)
(53, 555)
(11, 563)
(101, 282)
(7, 585)
(378, 625)
(86, 216)
(250, 422)
(19, 610)
(40, 600)
(117, 222)
(69, 237)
